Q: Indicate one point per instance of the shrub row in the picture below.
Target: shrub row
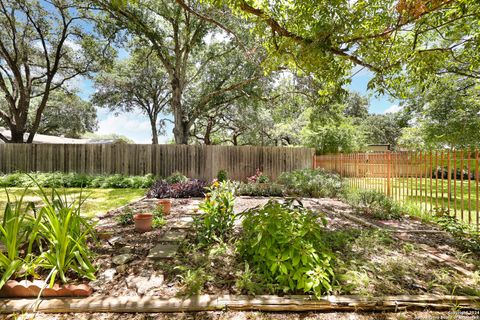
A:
(76, 180)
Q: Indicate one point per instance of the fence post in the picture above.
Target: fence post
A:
(389, 173)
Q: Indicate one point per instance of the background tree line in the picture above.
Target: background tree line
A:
(240, 72)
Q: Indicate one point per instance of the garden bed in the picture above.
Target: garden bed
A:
(370, 261)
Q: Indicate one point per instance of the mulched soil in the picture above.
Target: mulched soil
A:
(391, 268)
(415, 263)
(418, 315)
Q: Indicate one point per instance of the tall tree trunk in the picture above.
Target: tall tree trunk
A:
(17, 135)
(208, 132)
(153, 125)
(182, 125)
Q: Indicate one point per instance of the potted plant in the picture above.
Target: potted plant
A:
(143, 222)
(166, 204)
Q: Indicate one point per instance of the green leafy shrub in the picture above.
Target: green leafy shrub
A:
(283, 242)
(217, 221)
(222, 175)
(465, 235)
(311, 183)
(76, 180)
(125, 217)
(375, 204)
(176, 177)
(260, 189)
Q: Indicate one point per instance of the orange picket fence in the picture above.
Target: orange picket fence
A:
(440, 182)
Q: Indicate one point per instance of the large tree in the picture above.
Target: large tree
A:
(42, 47)
(179, 37)
(400, 41)
(66, 114)
(447, 113)
(137, 83)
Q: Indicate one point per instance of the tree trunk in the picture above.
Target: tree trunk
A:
(208, 132)
(182, 125)
(181, 131)
(153, 125)
(17, 135)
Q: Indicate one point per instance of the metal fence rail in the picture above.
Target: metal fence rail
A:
(441, 180)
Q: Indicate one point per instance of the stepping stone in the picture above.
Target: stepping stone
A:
(123, 259)
(145, 284)
(173, 236)
(181, 224)
(163, 251)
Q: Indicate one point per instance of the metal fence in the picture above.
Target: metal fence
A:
(443, 181)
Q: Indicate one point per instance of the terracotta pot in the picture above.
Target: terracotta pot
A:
(166, 204)
(143, 222)
(31, 289)
(105, 235)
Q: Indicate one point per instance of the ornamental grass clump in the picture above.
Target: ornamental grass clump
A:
(51, 238)
(283, 243)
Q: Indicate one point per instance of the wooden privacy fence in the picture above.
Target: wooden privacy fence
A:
(202, 162)
(438, 181)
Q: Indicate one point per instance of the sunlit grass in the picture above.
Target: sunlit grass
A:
(98, 200)
(460, 199)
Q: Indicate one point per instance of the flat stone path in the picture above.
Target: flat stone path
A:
(178, 225)
(163, 251)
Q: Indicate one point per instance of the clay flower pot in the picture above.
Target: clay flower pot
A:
(166, 204)
(143, 222)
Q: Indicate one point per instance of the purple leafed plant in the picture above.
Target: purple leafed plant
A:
(189, 189)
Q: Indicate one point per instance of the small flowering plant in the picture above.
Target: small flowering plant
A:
(217, 221)
(258, 177)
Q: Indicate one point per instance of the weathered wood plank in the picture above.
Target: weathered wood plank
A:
(202, 162)
(263, 303)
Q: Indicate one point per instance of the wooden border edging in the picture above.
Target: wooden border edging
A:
(126, 304)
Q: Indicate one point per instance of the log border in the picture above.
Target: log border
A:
(126, 304)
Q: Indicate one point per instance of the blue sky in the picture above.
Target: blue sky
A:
(136, 126)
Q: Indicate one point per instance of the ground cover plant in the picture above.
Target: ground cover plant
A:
(49, 241)
(256, 189)
(76, 180)
(311, 183)
(374, 204)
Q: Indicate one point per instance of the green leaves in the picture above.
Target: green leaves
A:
(217, 221)
(311, 183)
(57, 232)
(282, 241)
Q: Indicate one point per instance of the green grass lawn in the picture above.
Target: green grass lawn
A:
(431, 194)
(98, 200)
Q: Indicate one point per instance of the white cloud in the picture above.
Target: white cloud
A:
(393, 109)
(132, 125)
